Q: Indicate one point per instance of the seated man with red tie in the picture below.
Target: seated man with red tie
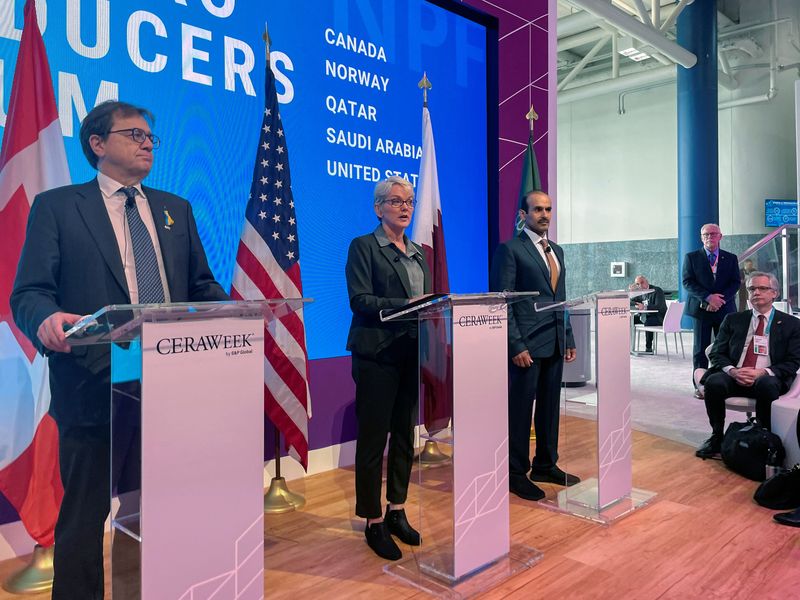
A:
(756, 355)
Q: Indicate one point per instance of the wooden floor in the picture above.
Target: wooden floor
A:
(703, 537)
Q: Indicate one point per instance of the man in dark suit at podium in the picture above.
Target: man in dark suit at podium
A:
(538, 345)
(108, 241)
(756, 355)
(711, 278)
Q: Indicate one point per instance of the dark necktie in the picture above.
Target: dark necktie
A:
(148, 278)
(750, 357)
(551, 263)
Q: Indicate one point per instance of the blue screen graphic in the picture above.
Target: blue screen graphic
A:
(347, 74)
(780, 212)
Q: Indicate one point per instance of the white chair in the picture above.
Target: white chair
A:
(737, 403)
(672, 324)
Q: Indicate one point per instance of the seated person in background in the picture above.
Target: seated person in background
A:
(747, 267)
(756, 355)
(654, 301)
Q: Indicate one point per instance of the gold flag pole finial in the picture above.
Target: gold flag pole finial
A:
(532, 116)
(424, 84)
(267, 39)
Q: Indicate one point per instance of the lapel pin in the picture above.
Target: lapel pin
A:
(168, 221)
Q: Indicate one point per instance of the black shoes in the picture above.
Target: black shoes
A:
(381, 542)
(555, 475)
(379, 535)
(399, 527)
(711, 448)
(521, 486)
(792, 519)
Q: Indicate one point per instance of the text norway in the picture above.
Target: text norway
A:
(473, 321)
(207, 342)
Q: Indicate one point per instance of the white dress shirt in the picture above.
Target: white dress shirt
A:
(536, 238)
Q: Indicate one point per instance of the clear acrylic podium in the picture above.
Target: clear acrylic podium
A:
(606, 492)
(464, 515)
(187, 445)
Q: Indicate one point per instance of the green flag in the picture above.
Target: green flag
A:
(530, 181)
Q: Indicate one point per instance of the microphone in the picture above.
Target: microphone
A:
(547, 249)
(129, 203)
(396, 259)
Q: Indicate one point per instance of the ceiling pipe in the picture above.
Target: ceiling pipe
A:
(670, 20)
(655, 7)
(619, 84)
(645, 33)
(737, 29)
(584, 61)
(576, 23)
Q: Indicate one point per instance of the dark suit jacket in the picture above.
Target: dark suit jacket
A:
(518, 267)
(375, 281)
(655, 301)
(784, 345)
(699, 281)
(71, 262)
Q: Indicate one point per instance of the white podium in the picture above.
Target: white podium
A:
(464, 515)
(187, 446)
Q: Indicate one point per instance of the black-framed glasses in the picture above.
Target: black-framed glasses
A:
(397, 202)
(760, 288)
(139, 135)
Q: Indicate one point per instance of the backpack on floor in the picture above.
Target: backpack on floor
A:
(748, 448)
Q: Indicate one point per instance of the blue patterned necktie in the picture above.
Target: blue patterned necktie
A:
(148, 278)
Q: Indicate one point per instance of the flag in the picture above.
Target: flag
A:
(268, 266)
(530, 181)
(32, 160)
(428, 232)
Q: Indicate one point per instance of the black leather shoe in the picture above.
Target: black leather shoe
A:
(792, 519)
(381, 542)
(555, 475)
(399, 527)
(711, 448)
(524, 488)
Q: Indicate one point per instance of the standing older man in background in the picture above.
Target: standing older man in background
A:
(756, 354)
(711, 278)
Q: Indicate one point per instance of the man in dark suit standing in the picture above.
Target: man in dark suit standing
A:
(711, 278)
(756, 354)
(538, 345)
(653, 301)
(108, 241)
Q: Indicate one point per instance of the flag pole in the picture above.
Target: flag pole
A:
(430, 454)
(278, 498)
(531, 116)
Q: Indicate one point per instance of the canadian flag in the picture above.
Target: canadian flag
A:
(32, 159)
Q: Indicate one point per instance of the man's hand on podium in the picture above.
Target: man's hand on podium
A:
(51, 331)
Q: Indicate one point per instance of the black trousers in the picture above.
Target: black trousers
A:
(701, 330)
(84, 461)
(88, 472)
(542, 381)
(386, 404)
(719, 386)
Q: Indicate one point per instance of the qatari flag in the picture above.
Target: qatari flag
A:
(428, 232)
(32, 160)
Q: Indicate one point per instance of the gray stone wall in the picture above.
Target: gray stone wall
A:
(588, 265)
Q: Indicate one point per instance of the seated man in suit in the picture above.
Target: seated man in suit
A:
(654, 301)
(756, 354)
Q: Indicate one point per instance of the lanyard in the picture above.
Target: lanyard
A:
(768, 325)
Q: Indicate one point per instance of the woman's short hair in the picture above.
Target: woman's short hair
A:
(383, 188)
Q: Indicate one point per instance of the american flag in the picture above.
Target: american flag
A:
(268, 266)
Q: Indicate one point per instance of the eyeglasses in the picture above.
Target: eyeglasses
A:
(396, 202)
(139, 136)
(712, 234)
(760, 288)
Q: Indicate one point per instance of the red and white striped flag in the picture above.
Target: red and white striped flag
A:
(32, 160)
(428, 232)
(268, 266)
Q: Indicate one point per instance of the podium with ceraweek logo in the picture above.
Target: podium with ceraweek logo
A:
(187, 445)
(464, 515)
(606, 492)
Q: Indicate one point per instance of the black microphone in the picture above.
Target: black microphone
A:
(396, 259)
(547, 249)
(129, 203)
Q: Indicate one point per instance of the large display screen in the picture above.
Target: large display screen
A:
(347, 74)
(780, 212)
